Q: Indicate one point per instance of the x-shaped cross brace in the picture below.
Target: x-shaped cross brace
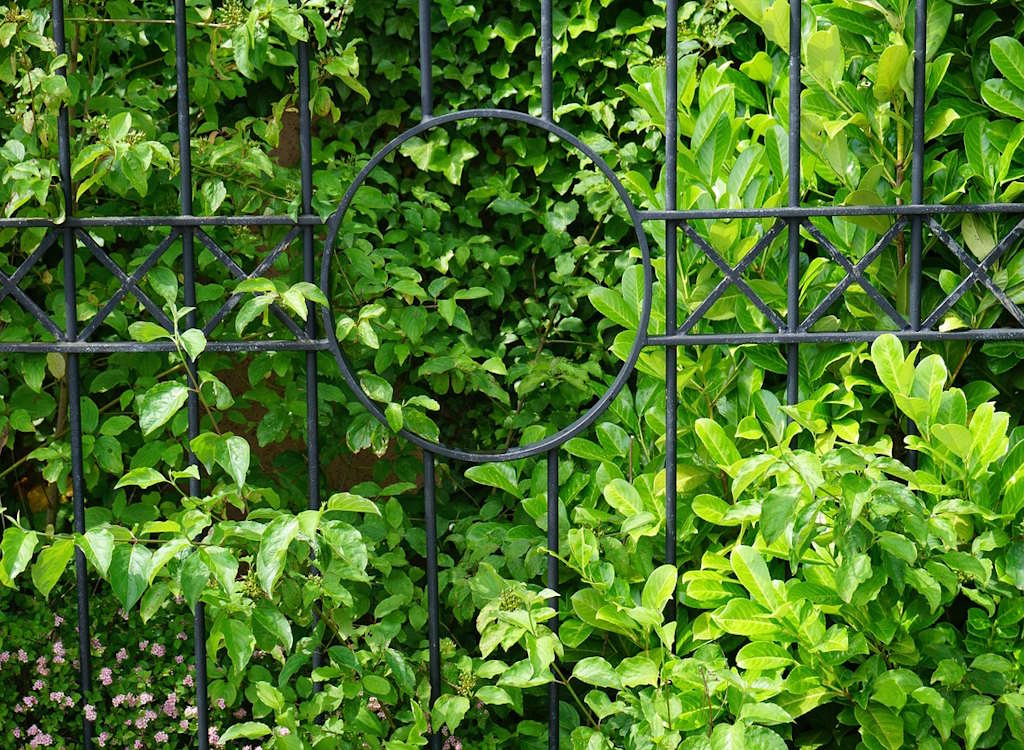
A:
(10, 286)
(128, 284)
(241, 275)
(978, 272)
(854, 273)
(733, 277)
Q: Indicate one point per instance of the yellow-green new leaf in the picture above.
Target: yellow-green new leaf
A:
(659, 588)
(1008, 56)
(894, 370)
(752, 572)
(890, 67)
(825, 58)
(623, 497)
(719, 445)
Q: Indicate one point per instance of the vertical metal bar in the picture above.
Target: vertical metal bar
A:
(553, 585)
(433, 608)
(793, 273)
(188, 271)
(308, 274)
(917, 177)
(74, 393)
(546, 59)
(671, 261)
(426, 72)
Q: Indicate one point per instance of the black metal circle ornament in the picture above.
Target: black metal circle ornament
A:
(598, 408)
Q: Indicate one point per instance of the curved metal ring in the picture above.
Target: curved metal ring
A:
(588, 417)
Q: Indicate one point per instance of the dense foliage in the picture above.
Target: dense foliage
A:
(486, 286)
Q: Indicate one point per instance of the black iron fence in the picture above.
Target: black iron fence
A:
(792, 330)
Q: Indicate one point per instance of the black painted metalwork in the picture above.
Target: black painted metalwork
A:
(671, 272)
(790, 331)
(793, 274)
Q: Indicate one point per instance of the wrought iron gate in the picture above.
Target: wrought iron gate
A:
(792, 329)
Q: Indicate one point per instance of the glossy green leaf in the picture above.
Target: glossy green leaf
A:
(894, 370)
(659, 587)
(159, 404)
(721, 448)
(1003, 97)
(1008, 56)
(752, 572)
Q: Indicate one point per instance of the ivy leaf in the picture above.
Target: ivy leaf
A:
(273, 552)
(50, 564)
(160, 403)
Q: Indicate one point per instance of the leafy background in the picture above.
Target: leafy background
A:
(486, 289)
